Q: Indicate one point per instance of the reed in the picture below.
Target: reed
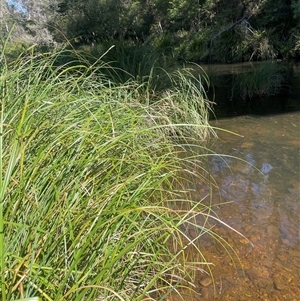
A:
(267, 79)
(91, 182)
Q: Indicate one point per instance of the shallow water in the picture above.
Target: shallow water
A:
(261, 192)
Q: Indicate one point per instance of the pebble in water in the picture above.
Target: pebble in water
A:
(205, 281)
(279, 285)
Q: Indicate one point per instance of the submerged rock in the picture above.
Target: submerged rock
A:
(205, 281)
(279, 285)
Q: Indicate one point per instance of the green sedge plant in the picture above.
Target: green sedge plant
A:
(93, 201)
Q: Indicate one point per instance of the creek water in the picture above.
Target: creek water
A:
(261, 193)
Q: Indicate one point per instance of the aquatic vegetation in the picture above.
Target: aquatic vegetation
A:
(92, 181)
(266, 79)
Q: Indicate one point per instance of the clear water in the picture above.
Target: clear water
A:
(261, 193)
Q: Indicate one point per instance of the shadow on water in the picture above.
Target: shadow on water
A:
(261, 195)
(254, 88)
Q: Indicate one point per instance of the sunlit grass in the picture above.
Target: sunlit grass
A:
(92, 187)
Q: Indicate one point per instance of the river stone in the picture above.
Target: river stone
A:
(268, 262)
(247, 144)
(253, 273)
(261, 282)
(273, 231)
(279, 285)
(204, 293)
(205, 281)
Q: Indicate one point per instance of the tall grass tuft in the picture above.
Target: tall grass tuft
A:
(90, 183)
(267, 79)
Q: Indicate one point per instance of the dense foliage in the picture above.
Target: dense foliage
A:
(191, 30)
(94, 203)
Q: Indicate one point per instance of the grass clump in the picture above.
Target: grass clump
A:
(88, 176)
(266, 79)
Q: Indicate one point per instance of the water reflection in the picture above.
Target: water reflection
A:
(230, 82)
(263, 189)
(261, 195)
